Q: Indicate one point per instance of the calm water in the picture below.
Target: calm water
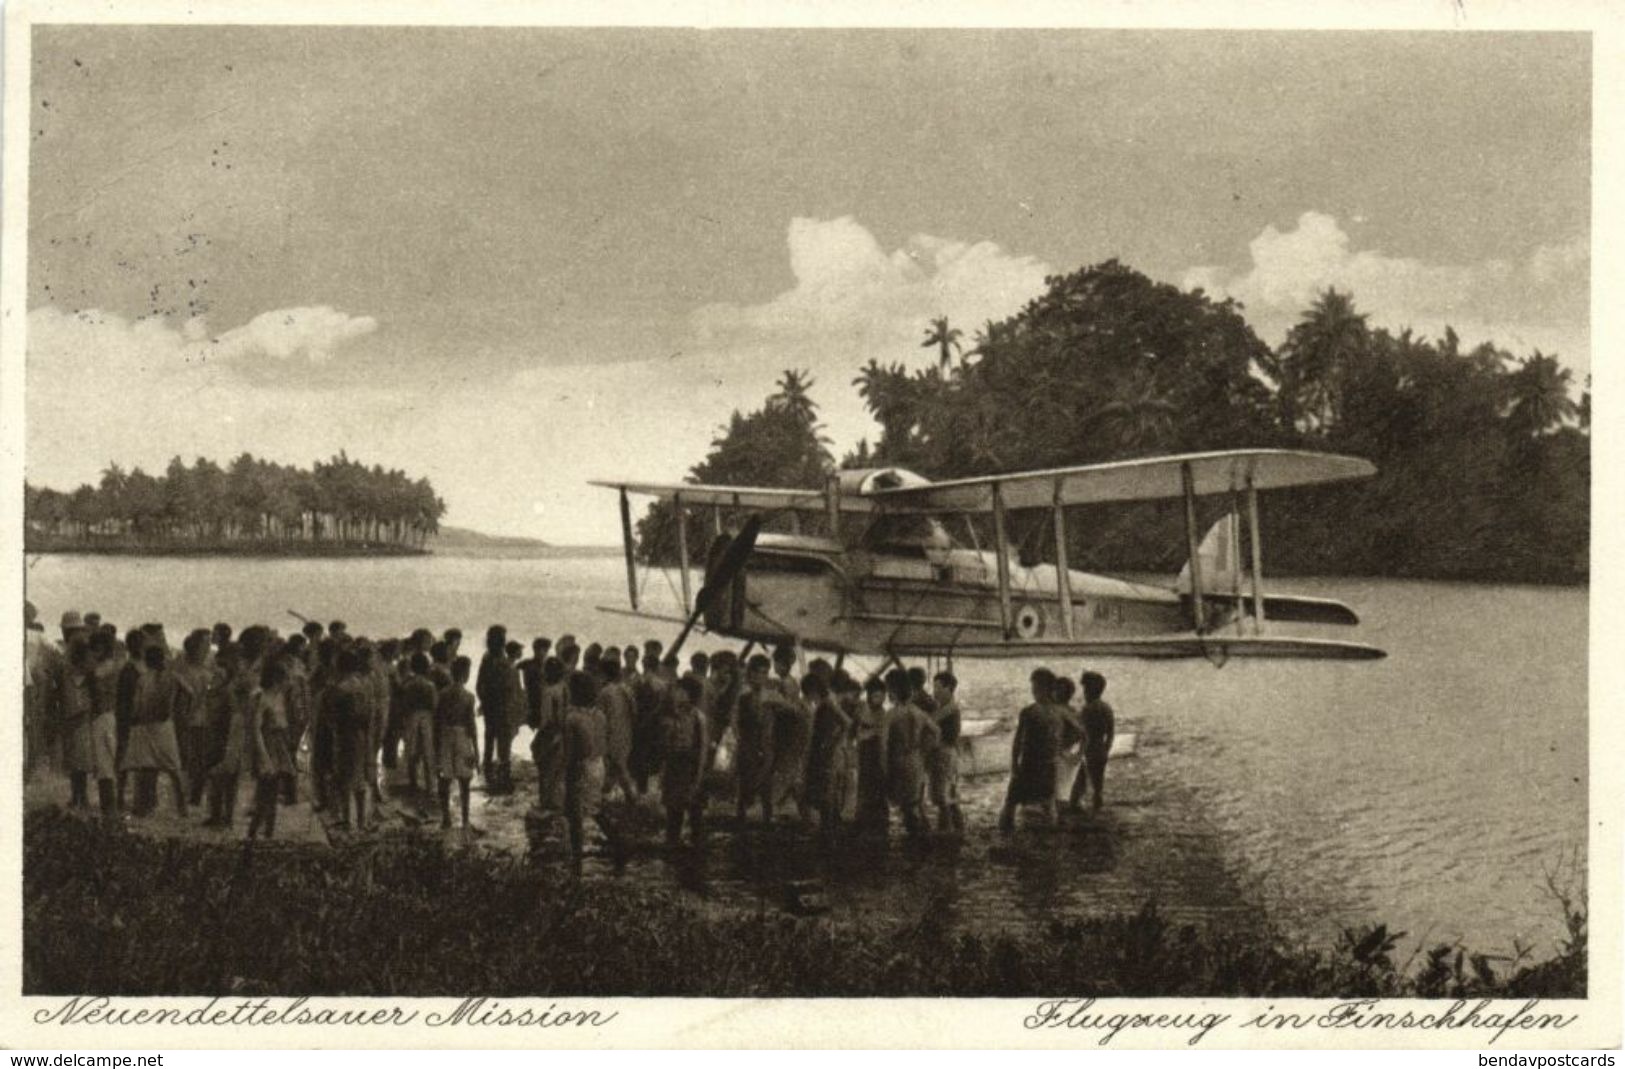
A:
(1431, 790)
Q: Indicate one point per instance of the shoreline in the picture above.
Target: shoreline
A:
(255, 550)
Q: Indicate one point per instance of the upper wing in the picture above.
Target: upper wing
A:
(1129, 480)
(739, 497)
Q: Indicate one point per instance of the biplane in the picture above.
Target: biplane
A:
(883, 561)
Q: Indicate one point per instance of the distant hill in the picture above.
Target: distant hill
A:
(462, 536)
(461, 541)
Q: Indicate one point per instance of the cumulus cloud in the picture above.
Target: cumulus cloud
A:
(101, 387)
(853, 300)
(308, 334)
(1538, 302)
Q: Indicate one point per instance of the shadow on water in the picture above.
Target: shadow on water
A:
(1079, 865)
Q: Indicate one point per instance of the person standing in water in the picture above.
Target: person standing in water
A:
(1033, 751)
(828, 750)
(418, 698)
(942, 763)
(754, 718)
(873, 813)
(910, 735)
(1099, 731)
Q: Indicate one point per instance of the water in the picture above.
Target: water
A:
(1431, 790)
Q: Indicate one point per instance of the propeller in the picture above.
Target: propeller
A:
(722, 576)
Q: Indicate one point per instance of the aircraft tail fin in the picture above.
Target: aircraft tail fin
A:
(1227, 579)
(1220, 556)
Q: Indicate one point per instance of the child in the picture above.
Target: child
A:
(584, 745)
(454, 729)
(683, 751)
(268, 741)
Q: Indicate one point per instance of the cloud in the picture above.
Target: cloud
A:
(853, 300)
(308, 334)
(1539, 302)
(101, 387)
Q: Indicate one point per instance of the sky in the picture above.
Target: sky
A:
(512, 260)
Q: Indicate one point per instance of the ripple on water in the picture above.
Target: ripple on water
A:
(1430, 790)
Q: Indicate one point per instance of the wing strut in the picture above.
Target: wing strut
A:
(682, 549)
(626, 545)
(1258, 556)
(1234, 561)
(1063, 577)
(1198, 610)
(1001, 560)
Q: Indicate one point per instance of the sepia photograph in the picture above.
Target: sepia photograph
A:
(519, 514)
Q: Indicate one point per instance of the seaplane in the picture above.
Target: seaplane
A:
(884, 562)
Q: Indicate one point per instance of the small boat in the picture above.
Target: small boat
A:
(984, 750)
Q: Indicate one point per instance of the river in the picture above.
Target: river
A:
(1431, 790)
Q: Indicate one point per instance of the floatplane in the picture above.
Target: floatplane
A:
(869, 566)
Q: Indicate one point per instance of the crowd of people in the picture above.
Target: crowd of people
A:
(121, 710)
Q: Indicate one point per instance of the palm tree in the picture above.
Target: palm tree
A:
(794, 396)
(1540, 395)
(1317, 357)
(1139, 413)
(942, 336)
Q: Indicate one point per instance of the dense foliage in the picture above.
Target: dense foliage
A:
(1484, 458)
(413, 918)
(339, 501)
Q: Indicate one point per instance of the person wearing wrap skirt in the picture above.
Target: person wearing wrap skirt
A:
(684, 745)
(456, 755)
(272, 762)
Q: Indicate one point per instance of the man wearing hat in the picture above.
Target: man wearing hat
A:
(34, 647)
(53, 675)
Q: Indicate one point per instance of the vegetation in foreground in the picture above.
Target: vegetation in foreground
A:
(108, 913)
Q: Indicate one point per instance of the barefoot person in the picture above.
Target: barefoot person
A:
(152, 747)
(104, 670)
(232, 715)
(1033, 750)
(1099, 730)
(942, 763)
(753, 736)
(352, 714)
(498, 688)
(684, 746)
(268, 741)
(910, 735)
(547, 744)
(584, 744)
(418, 701)
(620, 721)
(873, 813)
(828, 750)
(457, 755)
(75, 713)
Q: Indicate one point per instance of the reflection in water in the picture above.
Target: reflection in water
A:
(1429, 790)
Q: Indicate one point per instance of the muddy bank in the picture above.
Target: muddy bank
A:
(1150, 843)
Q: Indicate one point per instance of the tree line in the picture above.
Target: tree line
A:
(338, 502)
(1483, 456)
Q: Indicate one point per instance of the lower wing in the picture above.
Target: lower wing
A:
(1169, 647)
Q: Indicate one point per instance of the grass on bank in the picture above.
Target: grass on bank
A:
(110, 913)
